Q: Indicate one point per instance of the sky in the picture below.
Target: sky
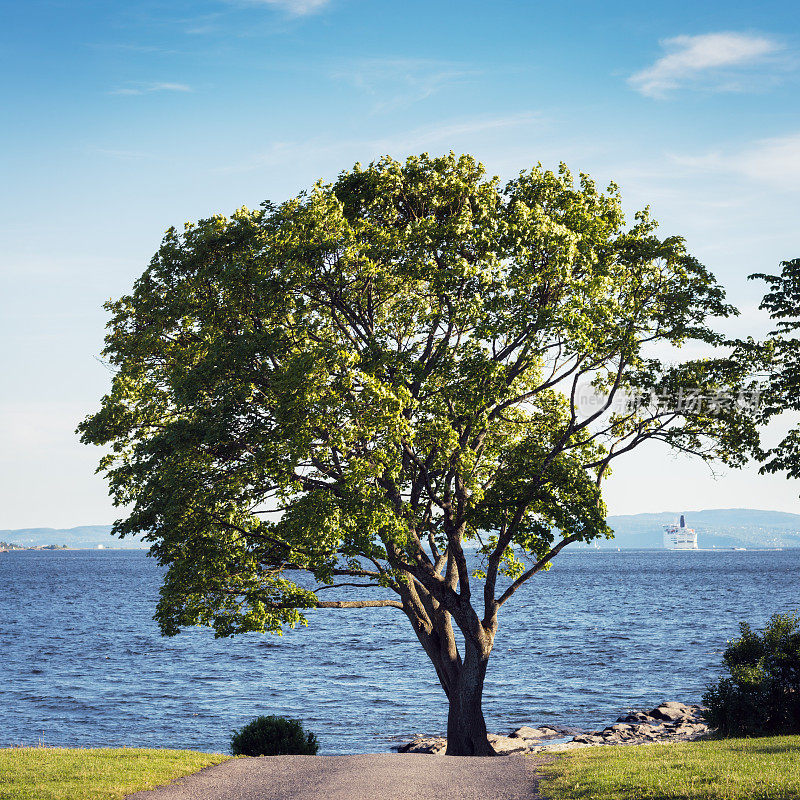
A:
(121, 119)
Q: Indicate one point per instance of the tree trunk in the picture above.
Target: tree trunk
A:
(466, 728)
(462, 681)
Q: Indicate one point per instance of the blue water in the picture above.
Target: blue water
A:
(82, 662)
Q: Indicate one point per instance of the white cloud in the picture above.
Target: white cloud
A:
(774, 161)
(296, 8)
(149, 88)
(461, 136)
(705, 60)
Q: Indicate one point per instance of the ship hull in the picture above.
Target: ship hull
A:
(678, 538)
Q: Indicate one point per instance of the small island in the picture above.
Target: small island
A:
(8, 546)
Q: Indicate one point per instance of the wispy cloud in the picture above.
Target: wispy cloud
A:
(459, 135)
(423, 137)
(397, 82)
(131, 47)
(295, 8)
(708, 61)
(150, 88)
(774, 161)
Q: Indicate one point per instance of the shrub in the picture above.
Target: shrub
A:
(762, 693)
(273, 736)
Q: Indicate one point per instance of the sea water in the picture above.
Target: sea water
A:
(83, 664)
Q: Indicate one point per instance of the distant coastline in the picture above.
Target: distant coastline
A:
(720, 529)
(8, 547)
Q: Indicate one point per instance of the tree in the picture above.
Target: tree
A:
(781, 388)
(369, 379)
(761, 694)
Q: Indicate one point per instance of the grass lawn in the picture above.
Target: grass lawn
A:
(54, 773)
(722, 769)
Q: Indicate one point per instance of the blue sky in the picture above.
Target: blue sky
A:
(121, 119)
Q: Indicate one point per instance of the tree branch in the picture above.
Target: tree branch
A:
(537, 567)
(359, 604)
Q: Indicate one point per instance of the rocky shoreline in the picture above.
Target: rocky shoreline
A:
(669, 722)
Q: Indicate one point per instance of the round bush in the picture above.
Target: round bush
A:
(761, 695)
(273, 736)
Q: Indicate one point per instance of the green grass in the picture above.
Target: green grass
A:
(53, 773)
(722, 769)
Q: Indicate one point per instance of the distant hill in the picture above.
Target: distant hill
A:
(716, 527)
(81, 537)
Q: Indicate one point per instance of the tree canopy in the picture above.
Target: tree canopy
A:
(367, 380)
(782, 386)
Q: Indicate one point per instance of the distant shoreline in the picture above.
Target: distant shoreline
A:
(62, 548)
(717, 529)
(575, 550)
(693, 550)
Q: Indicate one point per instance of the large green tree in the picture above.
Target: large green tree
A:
(781, 388)
(366, 381)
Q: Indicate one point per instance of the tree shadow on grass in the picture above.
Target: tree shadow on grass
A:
(767, 748)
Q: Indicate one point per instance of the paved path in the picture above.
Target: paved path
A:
(363, 777)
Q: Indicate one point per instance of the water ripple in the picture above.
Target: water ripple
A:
(82, 662)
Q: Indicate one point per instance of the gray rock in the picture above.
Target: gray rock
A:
(437, 745)
(673, 712)
(636, 716)
(691, 730)
(558, 747)
(526, 732)
(432, 745)
(588, 738)
(669, 722)
(619, 727)
(505, 745)
(566, 730)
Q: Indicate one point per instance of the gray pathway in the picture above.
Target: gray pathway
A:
(383, 776)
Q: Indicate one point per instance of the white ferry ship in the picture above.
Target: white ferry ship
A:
(679, 537)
